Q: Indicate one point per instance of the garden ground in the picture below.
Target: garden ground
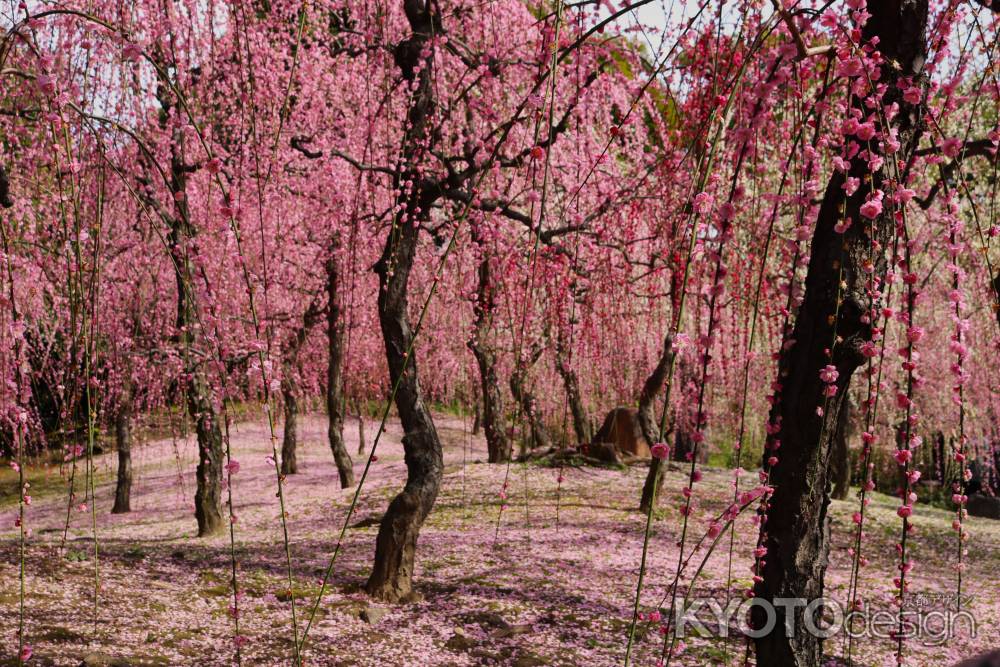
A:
(553, 586)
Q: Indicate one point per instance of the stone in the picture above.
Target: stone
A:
(621, 429)
(372, 614)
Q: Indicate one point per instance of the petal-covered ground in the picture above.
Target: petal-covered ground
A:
(551, 584)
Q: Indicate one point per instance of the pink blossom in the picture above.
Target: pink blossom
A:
(865, 131)
(902, 456)
(703, 202)
(872, 208)
(951, 147)
(829, 374)
(131, 52)
(660, 450)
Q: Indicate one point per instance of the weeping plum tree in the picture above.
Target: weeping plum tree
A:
(830, 329)
(200, 396)
(395, 548)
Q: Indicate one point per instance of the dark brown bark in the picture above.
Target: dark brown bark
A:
(123, 440)
(208, 494)
(395, 548)
(650, 428)
(200, 401)
(289, 385)
(335, 404)
(539, 435)
(797, 527)
(841, 455)
(497, 444)
(361, 429)
(581, 420)
(290, 436)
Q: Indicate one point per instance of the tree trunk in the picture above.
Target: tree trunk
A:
(650, 429)
(123, 439)
(334, 377)
(477, 418)
(208, 495)
(201, 406)
(526, 399)
(841, 463)
(497, 445)
(395, 548)
(361, 429)
(797, 528)
(289, 384)
(290, 437)
(581, 421)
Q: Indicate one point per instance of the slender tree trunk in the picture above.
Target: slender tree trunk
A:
(208, 495)
(290, 436)
(581, 420)
(797, 528)
(477, 417)
(123, 439)
(361, 429)
(395, 549)
(289, 385)
(650, 429)
(529, 408)
(200, 401)
(497, 444)
(334, 376)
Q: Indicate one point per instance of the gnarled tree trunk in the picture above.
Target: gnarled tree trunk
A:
(395, 548)
(581, 421)
(797, 528)
(290, 388)
(497, 445)
(650, 428)
(123, 440)
(335, 377)
(200, 398)
(290, 436)
(529, 407)
(208, 495)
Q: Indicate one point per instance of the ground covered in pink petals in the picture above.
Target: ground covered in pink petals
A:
(553, 586)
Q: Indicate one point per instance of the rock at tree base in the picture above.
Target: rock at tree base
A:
(621, 429)
(372, 615)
